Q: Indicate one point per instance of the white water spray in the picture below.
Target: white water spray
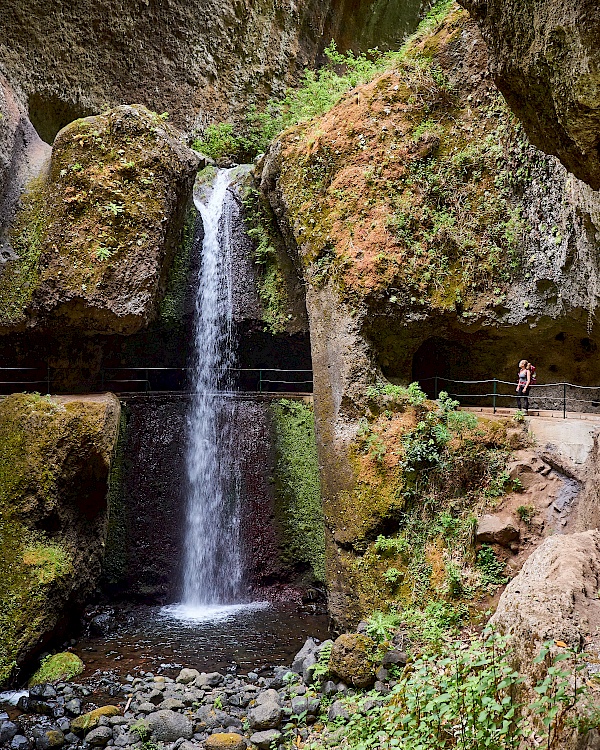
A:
(213, 564)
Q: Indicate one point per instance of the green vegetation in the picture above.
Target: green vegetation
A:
(317, 93)
(171, 306)
(465, 696)
(491, 568)
(60, 667)
(526, 513)
(261, 228)
(298, 493)
(19, 276)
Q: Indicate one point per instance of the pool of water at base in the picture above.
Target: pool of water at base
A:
(161, 640)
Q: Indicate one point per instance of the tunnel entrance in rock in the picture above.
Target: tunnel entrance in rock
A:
(49, 114)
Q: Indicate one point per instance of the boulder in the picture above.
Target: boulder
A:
(265, 716)
(225, 741)
(58, 668)
(50, 738)
(212, 679)
(302, 704)
(89, 721)
(8, 730)
(186, 676)
(310, 648)
(268, 696)
(265, 740)
(172, 704)
(169, 726)
(554, 597)
(338, 710)
(351, 660)
(394, 657)
(496, 530)
(107, 219)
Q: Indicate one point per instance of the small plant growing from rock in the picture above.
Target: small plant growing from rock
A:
(393, 576)
(526, 513)
(103, 253)
(490, 568)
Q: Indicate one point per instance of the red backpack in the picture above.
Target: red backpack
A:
(533, 379)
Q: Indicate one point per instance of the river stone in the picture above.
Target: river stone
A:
(269, 696)
(395, 656)
(310, 647)
(99, 737)
(168, 726)
(309, 667)
(265, 716)
(73, 707)
(146, 708)
(351, 660)
(20, 742)
(264, 740)
(301, 704)
(91, 720)
(187, 675)
(225, 741)
(8, 730)
(172, 704)
(49, 739)
(212, 679)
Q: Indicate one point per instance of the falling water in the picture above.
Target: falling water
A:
(213, 565)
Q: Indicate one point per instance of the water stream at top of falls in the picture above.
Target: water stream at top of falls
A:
(213, 570)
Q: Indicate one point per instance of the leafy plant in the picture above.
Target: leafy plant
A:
(321, 668)
(490, 568)
(381, 626)
(384, 545)
(526, 513)
(103, 253)
(393, 576)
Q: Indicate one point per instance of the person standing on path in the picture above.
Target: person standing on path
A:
(523, 384)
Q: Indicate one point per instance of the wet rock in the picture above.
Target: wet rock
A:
(264, 740)
(42, 690)
(99, 737)
(186, 676)
(225, 741)
(338, 710)
(265, 716)
(8, 730)
(71, 739)
(73, 707)
(155, 697)
(49, 739)
(496, 530)
(252, 676)
(350, 660)
(212, 679)
(33, 706)
(91, 720)
(309, 667)
(168, 726)
(20, 742)
(103, 623)
(329, 688)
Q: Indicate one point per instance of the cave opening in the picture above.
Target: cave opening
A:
(49, 114)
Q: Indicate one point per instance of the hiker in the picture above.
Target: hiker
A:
(523, 384)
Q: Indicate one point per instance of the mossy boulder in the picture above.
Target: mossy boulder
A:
(89, 721)
(97, 233)
(352, 660)
(225, 741)
(59, 667)
(55, 455)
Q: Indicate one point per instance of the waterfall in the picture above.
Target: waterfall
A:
(212, 562)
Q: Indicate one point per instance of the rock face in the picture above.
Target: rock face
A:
(545, 59)
(401, 282)
(198, 62)
(554, 597)
(54, 468)
(95, 235)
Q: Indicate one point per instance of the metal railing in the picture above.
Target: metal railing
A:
(495, 393)
(132, 380)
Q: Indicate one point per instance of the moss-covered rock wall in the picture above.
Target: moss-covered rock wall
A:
(54, 466)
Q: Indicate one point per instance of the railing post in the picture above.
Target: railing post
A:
(564, 400)
(48, 378)
(147, 381)
(260, 381)
(436, 386)
(495, 390)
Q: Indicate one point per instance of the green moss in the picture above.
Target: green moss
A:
(60, 667)
(298, 493)
(19, 276)
(272, 289)
(115, 558)
(172, 305)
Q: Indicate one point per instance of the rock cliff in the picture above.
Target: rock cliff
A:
(433, 238)
(54, 466)
(544, 58)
